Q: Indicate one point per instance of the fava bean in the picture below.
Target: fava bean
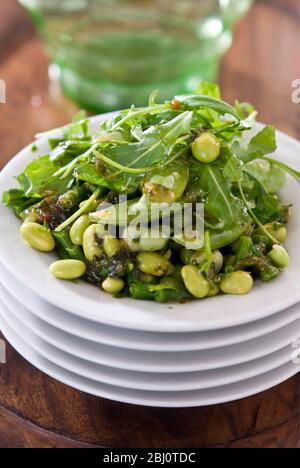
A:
(276, 230)
(195, 282)
(214, 290)
(198, 258)
(68, 269)
(152, 264)
(111, 246)
(279, 256)
(91, 247)
(218, 261)
(78, 229)
(146, 240)
(238, 282)
(38, 237)
(113, 285)
(206, 148)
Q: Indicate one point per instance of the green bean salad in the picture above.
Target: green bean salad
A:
(78, 200)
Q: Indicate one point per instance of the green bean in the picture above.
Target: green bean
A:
(78, 229)
(279, 256)
(214, 290)
(90, 208)
(206, 148)
(186, 255)
(245, 246)
(91, 247)
(170, 290)
(111, 246)
(224, 238)
(142, 291)
(195, 282)
(113, 285)
(68, 269)
(152, 264)
(38, 237)
(168, 254)
(238, 282)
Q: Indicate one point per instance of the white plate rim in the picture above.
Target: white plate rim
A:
(140, 398)
(147, 381)
(160, 363)
(133, 341)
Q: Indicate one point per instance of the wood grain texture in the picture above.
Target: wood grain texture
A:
(37, 411)
(14, 27)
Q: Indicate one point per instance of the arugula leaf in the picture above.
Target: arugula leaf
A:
(65, 150)
(267, 204)
(66, 248)
(289, 170)
(41, 175)
(220, 203)
(261, 144)
(16, 199)
(233, 169)
(197, 102)
(270, 176)
(244, 109)
(88, 172)
(124, 165)
(79, 127)
(39, 178)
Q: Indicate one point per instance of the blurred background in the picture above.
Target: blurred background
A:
(57, 56)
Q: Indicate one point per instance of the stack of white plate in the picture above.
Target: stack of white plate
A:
(169, 355)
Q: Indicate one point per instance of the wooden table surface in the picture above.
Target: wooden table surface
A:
(37, 411)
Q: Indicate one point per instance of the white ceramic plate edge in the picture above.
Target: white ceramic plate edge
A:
(240, 334)
(122, 359)
(153, 399)
(146, 381)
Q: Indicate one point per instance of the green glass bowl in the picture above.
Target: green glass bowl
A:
(111, 53)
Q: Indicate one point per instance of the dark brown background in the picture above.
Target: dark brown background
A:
(36, 411)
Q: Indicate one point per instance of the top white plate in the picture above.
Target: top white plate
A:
(31, 269)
